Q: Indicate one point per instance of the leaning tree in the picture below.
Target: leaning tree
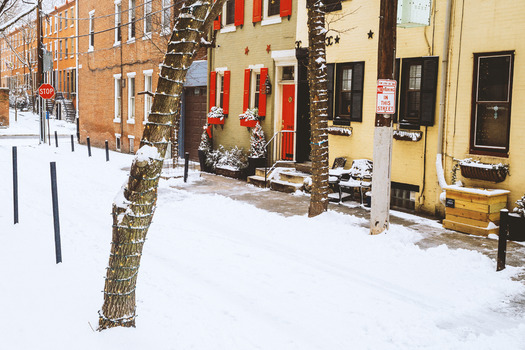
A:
(317, 78)
(135, 205)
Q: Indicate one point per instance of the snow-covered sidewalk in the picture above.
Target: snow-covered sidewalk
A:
(28, 124)
(218, 273)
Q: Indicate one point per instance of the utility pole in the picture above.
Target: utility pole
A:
(40, 67)
(379, 216)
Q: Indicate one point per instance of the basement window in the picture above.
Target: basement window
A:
(403, 196)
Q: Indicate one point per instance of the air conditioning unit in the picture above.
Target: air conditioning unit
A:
(413, 13)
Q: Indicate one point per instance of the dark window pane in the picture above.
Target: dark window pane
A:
(492, 122)
(274, 7)
(230, 12)
(346, 103)
(257, 88)
(493, 78)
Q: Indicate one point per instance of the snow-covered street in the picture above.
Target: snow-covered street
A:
(219, 273)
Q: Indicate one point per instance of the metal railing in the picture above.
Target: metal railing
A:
(279, 138)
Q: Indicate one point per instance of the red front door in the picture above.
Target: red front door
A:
(288, 117)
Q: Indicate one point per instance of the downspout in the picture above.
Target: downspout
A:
(442, 95)
(77, 3)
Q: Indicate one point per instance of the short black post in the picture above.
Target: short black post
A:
(15, 185)
(56, 139)
(186, 163)
(502, 239)
(107, 151)
(72, 144)
(89, 146)
(54, 195)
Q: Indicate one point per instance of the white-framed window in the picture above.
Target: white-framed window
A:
(59, 17)
(147, 19)
(66, 48)
(271, 12)
(228, 17)
(56, 23)
(91, 30)
(118, 22)
(65, 19)
(255, 83)
(131, 144)
(72, 47)
(131, 98)
(148, 86)
(131, 19)
(118, 97)
(166, 17)
(118, 146)
(56, 50)
(50, 25)
(60, 49)
(72, 15)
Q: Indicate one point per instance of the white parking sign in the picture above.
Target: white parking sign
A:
(386, 96)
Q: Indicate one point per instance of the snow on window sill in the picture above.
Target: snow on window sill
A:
(146, 36)
(339, 130)
(130, 41)
(91, 49)
(117, 43)
(271, 20)
(130, 121)
(228, 29)
(116, 120)
(408, 135)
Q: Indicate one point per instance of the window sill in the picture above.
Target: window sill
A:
(91, 49)
(117, 43)
(271, 20)
(130, 41)
(147, 36)
(144, 122)
(228, 29)
(116, 120)
(408, 135)
(164, 32)
(130, 121)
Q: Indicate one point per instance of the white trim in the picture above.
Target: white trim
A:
(256, 67)
(131, 74)
(221, 70)
(130, 121)
(117, 76)
(271, 20)
(119, 137)
(131, 39)
(228, 29)
(148, 4)
(131, 137)
(148, 72)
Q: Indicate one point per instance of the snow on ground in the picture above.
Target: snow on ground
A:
(28, 123)
(221, 274)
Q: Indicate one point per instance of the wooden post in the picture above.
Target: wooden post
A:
(502, 239)
(379, 216)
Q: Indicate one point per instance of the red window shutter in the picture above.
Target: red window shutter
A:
(262, 93)
(217, 23)
(226, 92)
(286, 8)
(257, 11)
(213, 89)
(239, 12)
(246, 95)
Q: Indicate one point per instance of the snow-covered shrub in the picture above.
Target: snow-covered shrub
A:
(216, 112)
(233, 158)
(257, 142)
(205, 144)
(520, 209)
(250, 114)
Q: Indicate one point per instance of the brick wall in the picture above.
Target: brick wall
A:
(4, 108)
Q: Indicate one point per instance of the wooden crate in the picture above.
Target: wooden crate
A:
(474, 211)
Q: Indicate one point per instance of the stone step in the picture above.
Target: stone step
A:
(305, 167)
(292, 177)
(260, 171)
(284, 186)
(257, 181)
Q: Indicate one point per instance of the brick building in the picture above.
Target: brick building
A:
(121, 45)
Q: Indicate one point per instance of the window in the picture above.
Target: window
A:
(59, 17)
(56, 23)
(221, 91)
(166, 16)
(65, 19)
(117, 142)
(56, 50)
(60, 49)
(118, 97)
(418, 92)
(492, 90)
(131, 98)
(345, 94)
(148, 86)
(72, 15)
(132, 17)
(118, 23)
(274, 7)
(72, 47)
(147, 17)
(91, 30)
(256, 90)
(229, 13)
(131, 143)
(66, 47)
(73, 80)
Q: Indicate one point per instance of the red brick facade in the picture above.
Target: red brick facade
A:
(4, 107)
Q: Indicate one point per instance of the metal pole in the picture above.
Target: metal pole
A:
(89, 146)
(72, 144)
(56, 138)
(56, 222)
(186, 163)
(502, 239)
(15, 185)
(107, 151)
(383, 132)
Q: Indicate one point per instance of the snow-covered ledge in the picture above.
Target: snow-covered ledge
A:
(408, 135)
(339, 130)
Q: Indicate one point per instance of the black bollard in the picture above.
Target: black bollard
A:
(89, 146)
(186, 163)
(15, 185)
(107, 151)
(56, 222)
(56, 139)
(72, 144)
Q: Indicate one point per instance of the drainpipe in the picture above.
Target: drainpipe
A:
(442, 95)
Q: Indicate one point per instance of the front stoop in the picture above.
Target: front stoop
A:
(258, 181)
(284, 186)
(286, 178)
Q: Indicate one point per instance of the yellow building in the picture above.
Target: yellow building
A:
(476, 88)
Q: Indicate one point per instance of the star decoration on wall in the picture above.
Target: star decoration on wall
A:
(337, 38)
(246, 50)
(370, 34)
(268, 48)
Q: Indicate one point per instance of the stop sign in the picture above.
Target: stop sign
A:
(46, 91)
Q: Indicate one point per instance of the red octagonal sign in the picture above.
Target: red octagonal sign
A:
(46, 91)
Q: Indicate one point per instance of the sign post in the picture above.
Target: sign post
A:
(46, 91)
(386, 96)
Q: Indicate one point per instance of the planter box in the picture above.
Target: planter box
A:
(480, 173)
(249, 123)
(202, 161)
(216, 121)
(474, 211)
(233, 173)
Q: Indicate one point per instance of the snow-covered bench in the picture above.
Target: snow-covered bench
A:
(358, 177)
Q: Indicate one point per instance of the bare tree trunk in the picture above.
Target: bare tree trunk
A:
(133, 212)
(317, 77)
